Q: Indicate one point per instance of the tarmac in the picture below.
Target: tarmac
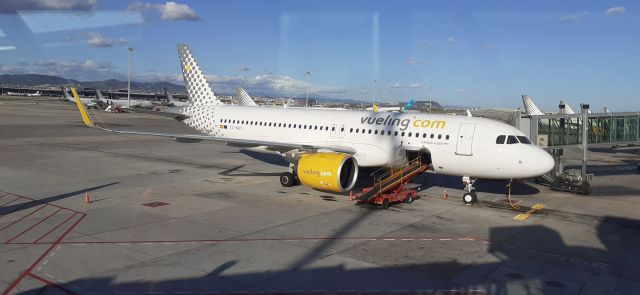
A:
(185, 218)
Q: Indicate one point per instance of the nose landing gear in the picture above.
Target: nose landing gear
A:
(470, 196)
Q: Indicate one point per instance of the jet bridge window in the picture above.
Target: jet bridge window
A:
(524, 139)
(500, 139)
(512, 139)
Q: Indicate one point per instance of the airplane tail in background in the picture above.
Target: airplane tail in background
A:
(375, 108)
(530, 107)
(66, 94)
(565, 108)
(408, 106)
(200, 93)
(244, 99)
(168, 95)
(100, 96)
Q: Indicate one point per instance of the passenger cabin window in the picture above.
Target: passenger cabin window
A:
(500, 139)
(512, 139)
(524, 139)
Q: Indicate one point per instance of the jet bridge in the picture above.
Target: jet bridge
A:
(559, 131)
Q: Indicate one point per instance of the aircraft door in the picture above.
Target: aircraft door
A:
(333, 130)
(465, 139)
(342, 130)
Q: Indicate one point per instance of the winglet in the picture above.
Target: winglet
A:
(83, 111)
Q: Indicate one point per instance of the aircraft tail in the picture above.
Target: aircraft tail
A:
(66, 94)
(100, 96)
(168, 95)
(565, 108)
(244, 99)
(200, 93)
(374, 108)
(408, 106)
(530, 107)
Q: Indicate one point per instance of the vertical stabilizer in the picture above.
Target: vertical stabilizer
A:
(168, 95)
(244, 99)
(66, 94)
(606, 110)
(530, 107)
(100, 96)
(198, 88)
(565, 108)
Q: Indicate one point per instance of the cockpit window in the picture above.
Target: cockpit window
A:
(524, 139)
(512, 139)
(500, 139)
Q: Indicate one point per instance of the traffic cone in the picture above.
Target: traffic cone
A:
(87, 200)
(445, 195)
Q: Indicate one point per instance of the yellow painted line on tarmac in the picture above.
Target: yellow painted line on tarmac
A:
(525, 215)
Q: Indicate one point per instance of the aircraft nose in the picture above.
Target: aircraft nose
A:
(545, 162)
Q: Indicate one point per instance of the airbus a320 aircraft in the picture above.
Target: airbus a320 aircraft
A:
(326, 148)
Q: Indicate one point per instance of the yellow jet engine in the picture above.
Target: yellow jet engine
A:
(332, 172)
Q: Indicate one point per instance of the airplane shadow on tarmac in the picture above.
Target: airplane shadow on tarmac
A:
(528, 259)
(23, 206)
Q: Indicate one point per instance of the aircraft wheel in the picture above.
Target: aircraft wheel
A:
(287, 179)
(470, 198)
(385, 204)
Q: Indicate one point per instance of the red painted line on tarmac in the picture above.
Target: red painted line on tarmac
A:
(23, 217)
(55, 227)
(7, 203)
(49, 283)
(4, 195)
(31, 227)
(53, 245)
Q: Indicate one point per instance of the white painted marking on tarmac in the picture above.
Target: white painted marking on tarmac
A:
(49, 276)
(388, 239)
(426, 239)
(45, 262)
(407, 239)
(58, 248)
(445, 239)
(39, 268)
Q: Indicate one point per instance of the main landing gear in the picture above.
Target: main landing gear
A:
(470, 196)
(289, 179)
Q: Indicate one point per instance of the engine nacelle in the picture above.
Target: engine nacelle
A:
(333, 172)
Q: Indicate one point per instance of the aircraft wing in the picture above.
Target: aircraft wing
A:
(88, 121)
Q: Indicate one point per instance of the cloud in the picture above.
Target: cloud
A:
(412, 85)
(243, 69)
(414, 61)
(97, 40)
(615, 10)
(88, 69)
(168, 11)
(451, 40)
(573, 17)
(14, 5)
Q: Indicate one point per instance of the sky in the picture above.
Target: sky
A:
(464, 53)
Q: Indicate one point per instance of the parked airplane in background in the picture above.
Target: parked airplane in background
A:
(530, 107)
(172, 102)
(325, 148)
(89, 102)
(37, 93)
(375, 108)
(114, 104)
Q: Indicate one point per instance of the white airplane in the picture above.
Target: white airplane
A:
(89, 102)
(325, 148)
(37, 93)
(175, 102)
(123, 103)
(243, 98)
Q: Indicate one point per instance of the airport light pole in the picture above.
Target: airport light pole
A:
(430, 99)
(306, 105)
(130, 52)
(373, 97)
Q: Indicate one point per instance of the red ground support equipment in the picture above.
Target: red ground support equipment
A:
(390, 185)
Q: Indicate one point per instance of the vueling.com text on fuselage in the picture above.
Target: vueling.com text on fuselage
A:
(404, 123)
